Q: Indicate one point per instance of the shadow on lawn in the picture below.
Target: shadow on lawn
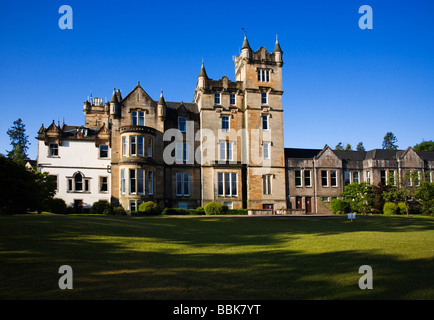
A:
(106, 268)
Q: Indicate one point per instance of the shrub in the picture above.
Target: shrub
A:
(119, 211)
(101, 207)
(402, 208)
(174, 211)
(57, 206)
(390, 208)
(199, 211)
(149, 208)
(213, 208)
(238, 212)
(339, 206)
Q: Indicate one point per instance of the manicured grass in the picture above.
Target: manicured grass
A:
(216, 257)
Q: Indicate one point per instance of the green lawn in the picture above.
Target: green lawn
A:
(216, 257)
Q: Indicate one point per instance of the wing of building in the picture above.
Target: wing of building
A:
(225, 146)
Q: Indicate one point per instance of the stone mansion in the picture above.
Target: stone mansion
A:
(225, 146)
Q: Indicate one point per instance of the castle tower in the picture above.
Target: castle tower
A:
(245, 117)
(260, 73)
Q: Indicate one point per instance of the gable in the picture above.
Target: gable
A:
(411, 158)
(138, 98)
(327, 158)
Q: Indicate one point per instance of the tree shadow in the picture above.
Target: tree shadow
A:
(202, 261)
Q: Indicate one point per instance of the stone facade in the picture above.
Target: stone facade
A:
(225, 146)
(228, 145)
(316, 176)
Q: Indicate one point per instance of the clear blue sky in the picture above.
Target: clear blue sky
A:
(340, 83)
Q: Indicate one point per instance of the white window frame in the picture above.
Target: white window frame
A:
(230, 180)
(124, 146)
(217, 98)
(263, 75)
(123, 181)
(368, 177)
(226, 151)
(100, 150)
(232, 99)
(51, 149)
(327, 179)
(266, 150)
(298, 185)
(267, 121)
(267, 183)
(264, 98)
(181, 152)
(307, 177)
(101, 184)
(149, 147)
(136, 116)
(334, 184)
(226, 119)
(183, 180)
(136, 181)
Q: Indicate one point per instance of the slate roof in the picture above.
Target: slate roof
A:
(301, 153)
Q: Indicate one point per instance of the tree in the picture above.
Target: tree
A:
(348, 147)
(19, 141)
(360, 196)
(22, 190)
(425, 195)
(339, 146)
(424, 146)
(389, 141)
(360, 147)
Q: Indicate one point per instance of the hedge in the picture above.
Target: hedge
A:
(149, 208)
(214, 208)
(390, 208)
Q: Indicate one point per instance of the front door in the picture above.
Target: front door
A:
(298, 204)
(78, 206)
(308, 204)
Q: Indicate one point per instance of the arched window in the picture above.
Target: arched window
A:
(78, 182)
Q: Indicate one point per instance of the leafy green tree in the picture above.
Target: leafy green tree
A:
(360, 147)
(348, 147)
(424, 146)
(360, 197)
(425, 195)
(19, 141)
(22, 190)
(339, 146)
(389, 141)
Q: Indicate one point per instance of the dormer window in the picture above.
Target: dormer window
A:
(217, 98)
(138, 118)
